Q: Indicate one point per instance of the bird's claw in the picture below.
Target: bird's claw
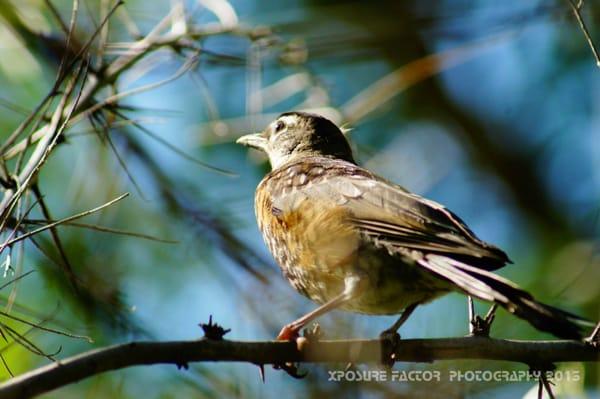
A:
(291, 369)
(313, 334)
(289, 333)
(480, 326)
(389, 343)
(594, 338)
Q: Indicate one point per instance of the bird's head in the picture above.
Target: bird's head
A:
(296, 135)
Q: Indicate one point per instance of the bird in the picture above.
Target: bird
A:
(349, 239)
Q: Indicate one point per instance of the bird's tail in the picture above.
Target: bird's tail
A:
(490, 287)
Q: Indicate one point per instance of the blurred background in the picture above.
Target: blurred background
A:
(491, 108)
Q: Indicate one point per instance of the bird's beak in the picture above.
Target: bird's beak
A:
(255, 140)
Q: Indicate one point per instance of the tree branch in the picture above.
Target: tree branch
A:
(180, 353)
(577, 12)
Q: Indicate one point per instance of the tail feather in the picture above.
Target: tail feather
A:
(488, 286)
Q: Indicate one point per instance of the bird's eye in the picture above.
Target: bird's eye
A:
(279, 126)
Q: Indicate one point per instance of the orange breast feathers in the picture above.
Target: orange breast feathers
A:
(316, 234)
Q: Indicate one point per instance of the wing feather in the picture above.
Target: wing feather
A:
(389, 214)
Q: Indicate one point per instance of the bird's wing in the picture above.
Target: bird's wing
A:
(397, 218)
(390, 216)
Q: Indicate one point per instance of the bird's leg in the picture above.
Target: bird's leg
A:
(391, 336)
(291, 331)
(480, 326)
(353, 286)
(403, 317)
(594, 338)
(472, 322)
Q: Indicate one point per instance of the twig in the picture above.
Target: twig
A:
(42, 150)
(27, 343)
(103, 131)
(577, 12)
(139, 50)
(544, 381)
(386, 88)
(39, 326)
(174, 148)
(65, 220)
(90, 88)
(14, 280)
(6, 367)
(57, 17)
(105, 229)
(68, 268)
(150, 86)
(471, 308)
(120, 356)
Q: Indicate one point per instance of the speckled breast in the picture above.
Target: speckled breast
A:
(317, 245)
(312, 241)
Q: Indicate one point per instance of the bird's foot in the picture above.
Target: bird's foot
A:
(480, 326)
(291, 369)
(313, 334)
(389, 344)
(594, 338)
(290, 333)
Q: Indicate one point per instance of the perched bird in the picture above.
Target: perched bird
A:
(349, 239)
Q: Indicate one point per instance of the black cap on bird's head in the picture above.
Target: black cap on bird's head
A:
(296, 135)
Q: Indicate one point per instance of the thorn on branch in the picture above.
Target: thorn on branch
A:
(182, 365)
(577, 12)
(261, 371)
(213, 330)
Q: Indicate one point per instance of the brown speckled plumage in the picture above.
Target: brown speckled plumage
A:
(316, 242)
(347, 238)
